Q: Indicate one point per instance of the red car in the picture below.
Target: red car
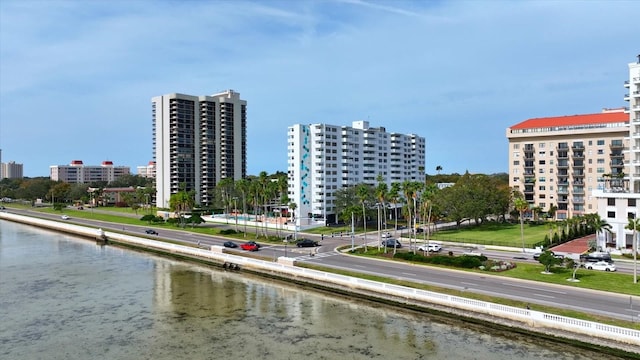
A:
(250, 246)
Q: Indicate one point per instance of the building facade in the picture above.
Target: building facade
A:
(198, 141)
(325, 158)
(11, 170)
(556, 162)
(619, 199)
(78, 173)
(148, 171)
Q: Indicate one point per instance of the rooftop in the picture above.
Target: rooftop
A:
(606, 117)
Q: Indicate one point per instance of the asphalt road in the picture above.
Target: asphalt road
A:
(597, 302)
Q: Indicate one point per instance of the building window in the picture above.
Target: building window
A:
(542, 162)
(516, 146)
(541, 188)
(542, 179)
(600, 152)
(516, 162)
(631, 216)
(600, 142)
(600, 170)
(600, 161)
(541, 145)
(541, 171)
(611, 214)
(611, 202)
(631, 202)
(542, 196)
(516, 179)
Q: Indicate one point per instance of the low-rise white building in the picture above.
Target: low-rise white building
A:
(78, 173)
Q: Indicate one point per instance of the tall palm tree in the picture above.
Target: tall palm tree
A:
(634, 224)
(382, 191)
(438, 169)
(394, 197)
(362, 192)
(521, 205)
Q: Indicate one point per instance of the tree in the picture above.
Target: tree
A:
(182, 202)
(599, 226)
(382, 191)
(634, 225)
(548, 259)
(394, 197)
(521, 205)
(438, 169)
(363, 192)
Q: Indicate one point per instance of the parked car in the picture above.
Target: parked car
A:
(250, 246)
(392, 243)
(230, 244)
(65, 217)
(431, 247)
(151, 232)
(306, 243)
(601, 265)
(386, 235)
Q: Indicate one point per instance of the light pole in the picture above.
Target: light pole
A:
(285, 247)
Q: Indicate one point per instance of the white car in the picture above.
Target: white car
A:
(65, 217)
(601, 265)
(386, 235)
(431, 247)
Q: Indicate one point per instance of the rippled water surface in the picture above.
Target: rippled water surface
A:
(66, 298)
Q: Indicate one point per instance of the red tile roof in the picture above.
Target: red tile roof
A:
(572, 120)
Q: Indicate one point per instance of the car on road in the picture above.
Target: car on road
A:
(230, 244)
(306, 243)
(392, 243)
(536, 256)
(151, 232)
(250, 246)
(601, 265)
(386, 235)
(432, 247)
(65, 217)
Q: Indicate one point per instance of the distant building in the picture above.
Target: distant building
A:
(78, 173)
(559, 161)
(148, 171)
(325, 158)
(11, 170)
(197, 142)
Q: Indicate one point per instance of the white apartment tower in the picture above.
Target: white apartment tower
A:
(633, 97)
(325, 158)
(619, 199)
(198, 141)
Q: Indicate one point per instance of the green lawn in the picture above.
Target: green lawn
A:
(504, 234)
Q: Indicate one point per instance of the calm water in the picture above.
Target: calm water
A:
(66, 298)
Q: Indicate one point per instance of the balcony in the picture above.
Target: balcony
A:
(616, 146)
(578, 155)
(616, 155)
(563, 200)
(578, 200)
(626, 84)
(577, 147)
(563, 191)
(563, 166)
(626, 97)
(578, 191)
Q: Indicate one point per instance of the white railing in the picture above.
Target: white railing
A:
(532, 318)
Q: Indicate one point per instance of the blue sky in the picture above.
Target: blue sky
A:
(77, 77)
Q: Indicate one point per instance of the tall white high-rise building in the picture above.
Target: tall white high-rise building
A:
(619, 199)
(325, 158)
(198, 141)
(633, 97)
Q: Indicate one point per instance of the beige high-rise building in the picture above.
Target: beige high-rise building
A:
(556, 162)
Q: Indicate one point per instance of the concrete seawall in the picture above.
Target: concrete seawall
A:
(564, 329)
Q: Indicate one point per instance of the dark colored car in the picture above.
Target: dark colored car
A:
(536, 256)
(250, 246)
(306, 243)
(230, 244)
(392, 243)
(151, 232)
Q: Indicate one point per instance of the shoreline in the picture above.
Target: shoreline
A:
(525, 322)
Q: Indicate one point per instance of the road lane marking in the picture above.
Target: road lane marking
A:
(537, 289)
(408, 274)
(545, 296)
(466, 283)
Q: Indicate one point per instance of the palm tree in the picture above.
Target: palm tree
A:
(382, 191)
(599, 226)
(438, 169)
(394, 197)
(362, 192)
(634, 224)
(521, 205)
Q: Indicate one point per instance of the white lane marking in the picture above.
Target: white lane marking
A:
(546, 296)
(537, 289)
(409, 274)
